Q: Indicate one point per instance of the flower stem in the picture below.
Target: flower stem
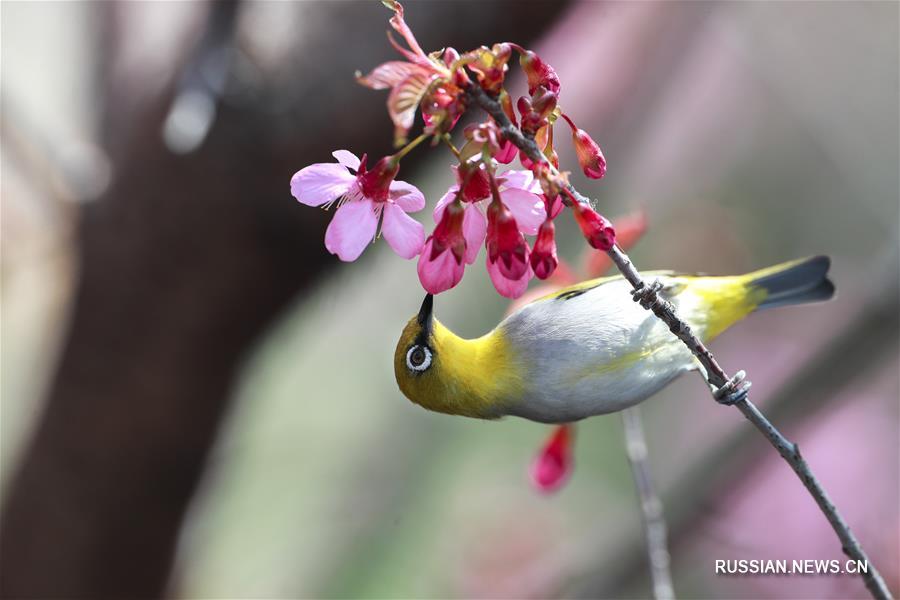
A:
(409, 147)
(446, 139)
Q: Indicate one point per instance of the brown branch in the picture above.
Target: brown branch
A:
(726, 390)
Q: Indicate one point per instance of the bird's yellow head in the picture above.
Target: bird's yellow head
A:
(442, 372)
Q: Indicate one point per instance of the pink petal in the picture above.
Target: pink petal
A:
(407, 196)
(347, 158)
(320, 183)
(507, 287)
(351, 229)
(523, 180)
(527, 208)
(444, 201)
(440, 274)
(553, 465)
(403, 233)
(474, 230)
(507, 153)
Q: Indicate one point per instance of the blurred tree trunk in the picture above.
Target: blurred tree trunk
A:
(184, 262)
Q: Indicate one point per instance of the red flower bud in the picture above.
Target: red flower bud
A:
(538, 72)
(449, 233)
(543, 256)
(544, 102)
(590, 157)
(375, 184)
(554, 206)
(506, 245)
(553, 465)
(596, 229)
(474, 182)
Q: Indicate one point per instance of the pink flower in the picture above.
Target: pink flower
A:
(507, 252)
(519, 191)
(441, 264)
(411, 81)
(520, 194)
(506, 287)
(553, 464)
(362, 199)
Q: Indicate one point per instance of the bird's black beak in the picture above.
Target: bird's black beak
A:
(425, 320)
(424, 317)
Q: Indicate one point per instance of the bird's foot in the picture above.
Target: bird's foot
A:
(734, 390)
(648, 295)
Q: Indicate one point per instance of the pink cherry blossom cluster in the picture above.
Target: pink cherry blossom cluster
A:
(499, 209)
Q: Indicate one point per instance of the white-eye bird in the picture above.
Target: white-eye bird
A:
(588, 349)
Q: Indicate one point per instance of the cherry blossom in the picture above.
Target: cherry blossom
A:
(362, 198)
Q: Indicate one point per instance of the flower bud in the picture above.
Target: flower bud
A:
(543, 256)
(505, 243)
(531, 120)
(538, 72)
(508, 150)
(449, 233)
(553, 464)
(375, 184)
(590, 157)
(598, 232)
(554, 206)
(544, 102)
(473, 181)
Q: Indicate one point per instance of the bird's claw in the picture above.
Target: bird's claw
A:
(647, 295)
(734, 390)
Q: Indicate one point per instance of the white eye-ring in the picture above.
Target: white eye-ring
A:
(418, 358)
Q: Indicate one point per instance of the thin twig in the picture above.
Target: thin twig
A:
(651, 506)
(718, 380)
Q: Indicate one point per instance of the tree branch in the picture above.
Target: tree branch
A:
(651, 506)
(732, 390)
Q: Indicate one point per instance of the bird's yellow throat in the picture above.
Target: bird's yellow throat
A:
(472, 378)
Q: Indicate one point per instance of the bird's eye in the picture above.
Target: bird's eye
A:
(418, 358)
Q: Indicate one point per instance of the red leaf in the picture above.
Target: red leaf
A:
(404, 100)
(389, 74)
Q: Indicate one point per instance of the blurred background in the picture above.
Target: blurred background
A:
(199, 402)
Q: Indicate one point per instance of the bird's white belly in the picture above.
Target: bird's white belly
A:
(592, 354)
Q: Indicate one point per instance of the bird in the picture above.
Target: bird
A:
(587, 349)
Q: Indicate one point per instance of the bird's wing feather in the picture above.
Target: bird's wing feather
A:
(585, 286)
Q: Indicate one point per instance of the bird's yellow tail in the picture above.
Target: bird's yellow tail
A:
(730, 299)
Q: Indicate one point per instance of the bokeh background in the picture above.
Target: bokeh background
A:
(198, 402)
